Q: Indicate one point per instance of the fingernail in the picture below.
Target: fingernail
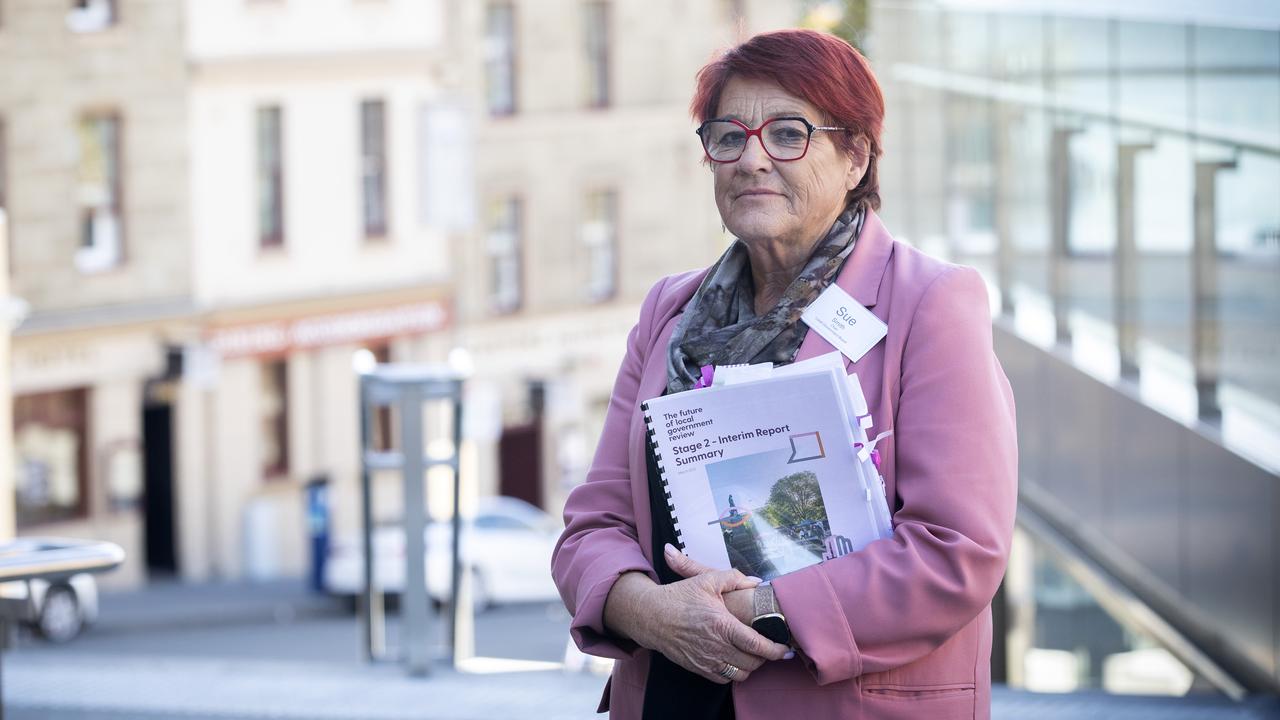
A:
(790, 654)
(755, 579)
(669, 549)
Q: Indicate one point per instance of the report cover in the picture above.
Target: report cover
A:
(763, 476)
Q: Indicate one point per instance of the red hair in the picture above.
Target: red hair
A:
(824, 71)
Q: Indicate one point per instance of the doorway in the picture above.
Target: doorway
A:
(520, 462)
(158, 507)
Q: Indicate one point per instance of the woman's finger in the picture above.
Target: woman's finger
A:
(686, 567)
(717, 670)
(744, 662)
(683, 565)
(751, 642)
(729, 580)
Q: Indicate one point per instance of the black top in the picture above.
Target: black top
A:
(671, 692)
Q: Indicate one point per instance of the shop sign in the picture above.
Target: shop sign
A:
(347, 328)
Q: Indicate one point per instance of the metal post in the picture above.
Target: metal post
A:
(407, 387)
(1000, 194)
(1001, 202)
(1125, 270)
(372, 610)
(1206, 340)
(4, 646)
(1060, 230)
(455, 610)
(414, 599)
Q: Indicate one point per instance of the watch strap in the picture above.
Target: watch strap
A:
(764, 601)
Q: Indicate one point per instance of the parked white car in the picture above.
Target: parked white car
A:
(59, 611)
(506, 547)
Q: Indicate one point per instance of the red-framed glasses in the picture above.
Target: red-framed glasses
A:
(783, 138)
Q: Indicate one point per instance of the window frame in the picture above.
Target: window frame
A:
(80, 8)
(513, 208)
(599, 292)
(41, 403)
(114, 183)
(380, 155)
(269, 177)
(382, 436)
(278, 368)
(598, 52)
(501, 53)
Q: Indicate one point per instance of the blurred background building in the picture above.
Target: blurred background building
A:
(215, 204)
(211, 218)
(214, 207)
(589, 187)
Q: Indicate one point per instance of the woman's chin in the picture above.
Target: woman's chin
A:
(756, 228)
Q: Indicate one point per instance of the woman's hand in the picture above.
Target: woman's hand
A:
(695, 630)
(688, 623)
(739, 601)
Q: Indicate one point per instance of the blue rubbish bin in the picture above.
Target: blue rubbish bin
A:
(318, 527)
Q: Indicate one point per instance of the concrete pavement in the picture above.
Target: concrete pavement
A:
(238, 651)
(160, 688)
(164, 687)
(162, 605)
(255, 651)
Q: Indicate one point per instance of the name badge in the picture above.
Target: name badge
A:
(844, 322)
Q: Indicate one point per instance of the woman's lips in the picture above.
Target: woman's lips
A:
(758, 192)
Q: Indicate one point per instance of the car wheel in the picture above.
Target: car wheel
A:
(60, 618)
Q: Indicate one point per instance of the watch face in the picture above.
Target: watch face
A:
(774, 628)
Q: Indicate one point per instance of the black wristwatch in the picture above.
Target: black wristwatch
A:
(768, 620)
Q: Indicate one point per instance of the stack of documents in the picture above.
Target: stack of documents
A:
(769, 470)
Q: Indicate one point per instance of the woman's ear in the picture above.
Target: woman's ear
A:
(859, 158)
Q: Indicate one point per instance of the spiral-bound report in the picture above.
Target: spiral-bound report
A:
(764, 476)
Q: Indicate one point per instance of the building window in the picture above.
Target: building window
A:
(599, 234)
(381, 436)
(51, 441)
(4, 165)
(596, 26)
(99, 194)
(373, 166)
(275, 419)
(270, 178)
(92, 15)
(504, 254)
(500, 58)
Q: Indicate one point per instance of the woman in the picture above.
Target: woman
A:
(790, 122)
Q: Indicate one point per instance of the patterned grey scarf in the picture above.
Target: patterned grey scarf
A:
(720, 325)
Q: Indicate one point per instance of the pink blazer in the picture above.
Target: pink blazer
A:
(902, 628)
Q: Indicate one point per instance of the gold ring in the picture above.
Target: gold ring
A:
(729, 672)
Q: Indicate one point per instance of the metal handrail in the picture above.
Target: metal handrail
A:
(1101, 576)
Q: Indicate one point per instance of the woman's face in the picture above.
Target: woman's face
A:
(764, 200)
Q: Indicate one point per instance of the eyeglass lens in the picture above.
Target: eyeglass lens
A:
(783, 139)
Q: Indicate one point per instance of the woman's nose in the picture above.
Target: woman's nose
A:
(754, 156)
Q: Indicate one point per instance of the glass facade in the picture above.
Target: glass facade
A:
(1116, 180)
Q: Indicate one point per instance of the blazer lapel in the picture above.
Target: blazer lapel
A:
(860, 277)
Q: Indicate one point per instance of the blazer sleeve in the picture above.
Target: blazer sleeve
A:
(955, 440)
(600, 541)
